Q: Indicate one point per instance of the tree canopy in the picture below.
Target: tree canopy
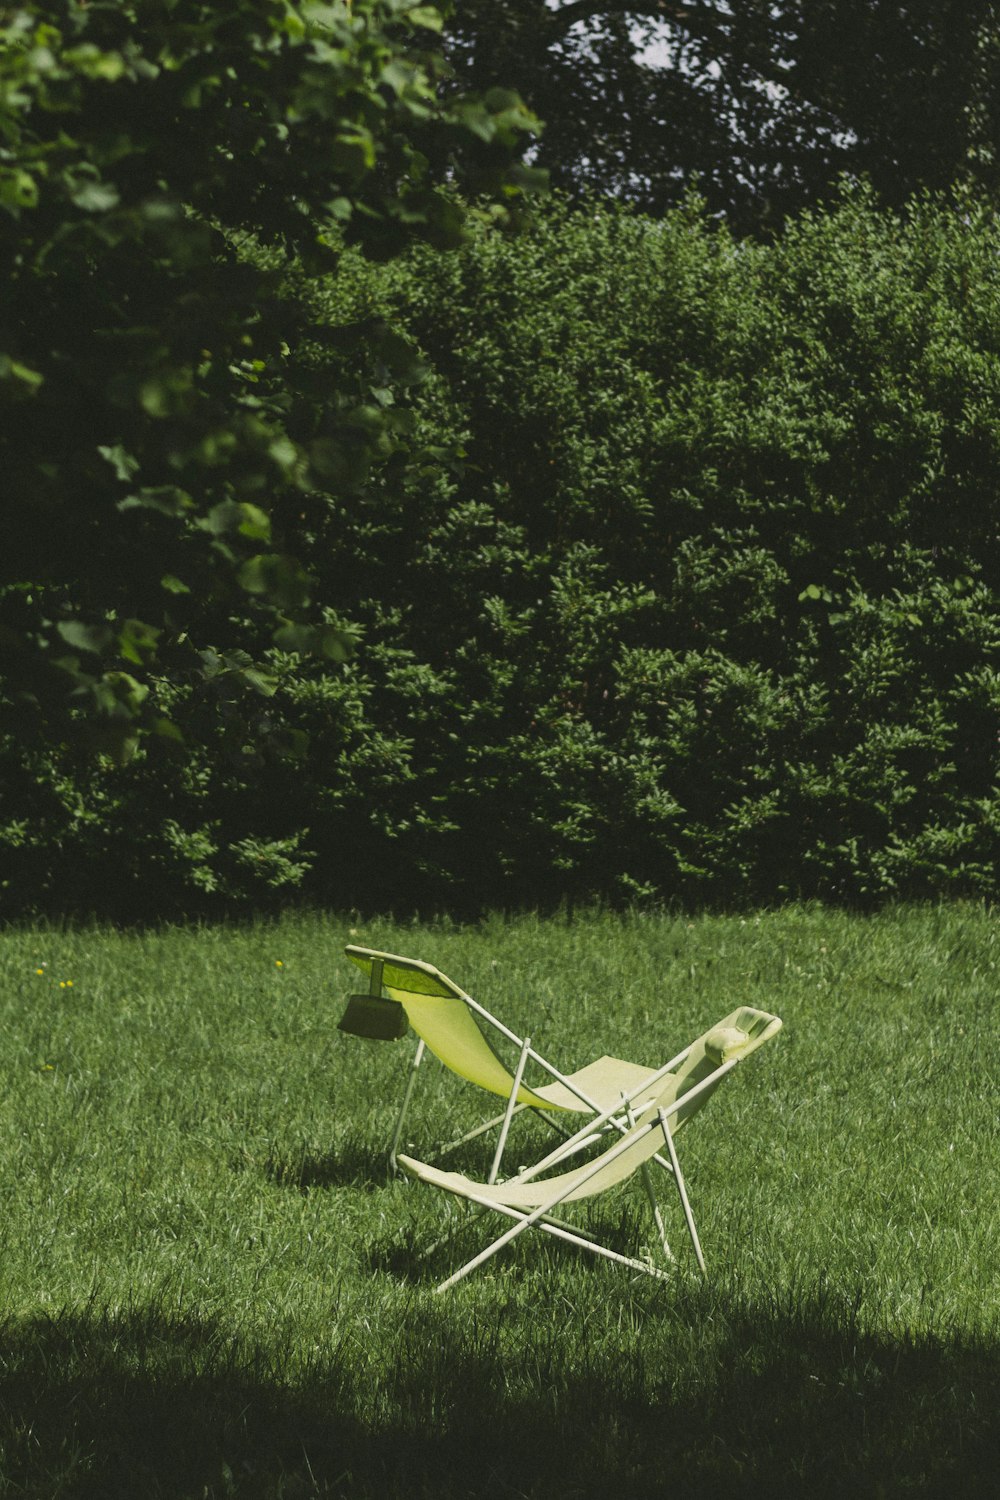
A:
(768, 102)
(160, 161)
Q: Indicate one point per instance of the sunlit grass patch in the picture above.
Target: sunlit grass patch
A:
(212, 1286)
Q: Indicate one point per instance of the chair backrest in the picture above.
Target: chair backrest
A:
(735, 1037)
(438, 1010)
(699, 1073)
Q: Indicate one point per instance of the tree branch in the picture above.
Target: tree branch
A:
(694, 19)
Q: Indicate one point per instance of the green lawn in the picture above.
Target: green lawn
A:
(210, 1287)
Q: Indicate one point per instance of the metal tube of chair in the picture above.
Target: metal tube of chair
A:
(682, 1190)
(647, 1182)
(561, 1232)
(472, 1135)
(509, 1112)
(583, 1137)
(585, 1098)
(554, 1072)
(505, 1031)
(567, 1231)
(482, 1011)
(586, 1131)
(543, 1209)
(411, 1079)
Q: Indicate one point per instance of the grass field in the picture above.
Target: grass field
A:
(210, 1286)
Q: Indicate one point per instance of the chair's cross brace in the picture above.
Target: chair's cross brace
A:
(472, 1135)
(647, 1182)
(544, 1221)
(527, 1220)
(418, 1057)
(480, 1211)
(592, 1129)
(536, 1057)
(509, 1112)
(488, 1125)
(682, 1190)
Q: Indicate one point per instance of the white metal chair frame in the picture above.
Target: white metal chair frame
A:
(652, 1127)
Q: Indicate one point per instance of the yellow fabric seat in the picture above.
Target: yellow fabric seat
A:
(457, 1030)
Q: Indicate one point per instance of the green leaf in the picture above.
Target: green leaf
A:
(166, 729)
(12, 369)
(93, 63)
(123, 748)
(331, 641)
(18, 189)
(96, 197)
(166, 499)
(353, 151)
(120, 694)
(427, 17)
(137, 641)
(93, 638)
(125, 466)
(397, 75)
(284, 453)
(336, 645)
(276, 578)
(237, 516)
(262, 682)
(164, 394)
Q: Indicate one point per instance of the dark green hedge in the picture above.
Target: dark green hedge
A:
(682, 587)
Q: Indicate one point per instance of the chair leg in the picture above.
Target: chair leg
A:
(682, 1191)
(411, 1080)
(560, 1231)
(647, 1182)
(543, 1211)
(509, 1112)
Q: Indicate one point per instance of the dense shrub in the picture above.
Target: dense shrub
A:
(684, 589)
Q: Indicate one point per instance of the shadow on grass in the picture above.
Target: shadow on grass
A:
(351, 1164)
(784, 1405)
(462, 1230)
(355, 1162)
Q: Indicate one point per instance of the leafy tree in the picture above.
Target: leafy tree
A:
(161, 433)
(768, 103)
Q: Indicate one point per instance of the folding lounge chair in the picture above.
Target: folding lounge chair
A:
(655, 1109)
(450, 1023)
